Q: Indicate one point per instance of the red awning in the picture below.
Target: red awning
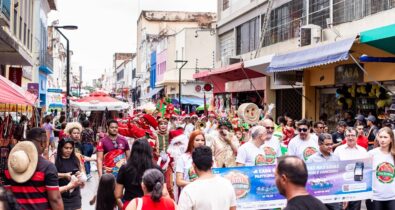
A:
(232, 72)
(218, 77)
(14, 94)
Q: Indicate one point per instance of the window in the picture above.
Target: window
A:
(284, 22)
(350, 10)
(226, 45)
(225, 4)
(20, 28)
(120, 75)
(247, 36)
(319, 12)
(24, 33)
(15, 20)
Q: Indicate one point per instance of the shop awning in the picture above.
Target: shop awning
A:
(259, 64)
(231, 72)
(382, 38)
(316, 56)
(13, 94)
(191, 100)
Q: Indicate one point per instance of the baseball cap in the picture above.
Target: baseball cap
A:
(360, 117)
(371, 118)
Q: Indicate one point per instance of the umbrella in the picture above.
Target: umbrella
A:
(99, 101)
(13, 94)
(201, 107)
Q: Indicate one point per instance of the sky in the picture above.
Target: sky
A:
(109, 26)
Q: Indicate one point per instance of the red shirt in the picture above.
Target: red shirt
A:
(164, 203)
(361, 141)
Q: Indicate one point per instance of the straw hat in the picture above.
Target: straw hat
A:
(22, 161)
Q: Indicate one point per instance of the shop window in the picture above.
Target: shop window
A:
(247, 36)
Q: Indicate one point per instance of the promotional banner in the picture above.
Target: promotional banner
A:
(54, 99)
(331, 182)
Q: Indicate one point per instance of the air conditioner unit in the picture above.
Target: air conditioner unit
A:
(227, 60)
(310, 35)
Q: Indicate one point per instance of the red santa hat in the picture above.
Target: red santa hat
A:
(178, 136)
(193, 114)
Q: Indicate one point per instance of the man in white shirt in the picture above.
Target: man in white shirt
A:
(351, 151)
(304, 144)
(208, 192)
(250, 154)
(271, 147)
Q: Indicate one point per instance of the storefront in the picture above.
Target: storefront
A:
(336, 80)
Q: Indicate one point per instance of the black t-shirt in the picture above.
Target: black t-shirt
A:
(305, 202)
(337, 137)
(131, 190)
(66, 166)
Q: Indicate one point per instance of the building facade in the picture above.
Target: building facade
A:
(161, 38)
(294, 26)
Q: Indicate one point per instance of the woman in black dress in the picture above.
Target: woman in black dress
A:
(69, 167)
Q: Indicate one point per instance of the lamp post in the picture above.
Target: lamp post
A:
(67, 27)
(179, 79)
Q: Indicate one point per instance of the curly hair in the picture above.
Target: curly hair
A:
(71, 126)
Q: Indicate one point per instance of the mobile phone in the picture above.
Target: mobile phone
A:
(358, 171)
(74, 171)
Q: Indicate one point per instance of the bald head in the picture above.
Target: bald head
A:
(294, 169)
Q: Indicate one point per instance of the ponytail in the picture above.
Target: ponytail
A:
(156, 193)
(153, 180)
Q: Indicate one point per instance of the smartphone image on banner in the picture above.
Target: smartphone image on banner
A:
(358, 171)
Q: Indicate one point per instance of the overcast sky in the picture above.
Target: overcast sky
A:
(109, 26)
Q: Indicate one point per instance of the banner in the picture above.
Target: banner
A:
(332, 182)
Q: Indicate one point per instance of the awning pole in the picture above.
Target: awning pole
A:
(365, 72)
(252, 84)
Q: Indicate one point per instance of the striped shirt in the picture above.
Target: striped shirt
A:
(33, 193)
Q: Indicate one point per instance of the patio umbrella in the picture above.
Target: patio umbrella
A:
(201, 107)
(99, 101)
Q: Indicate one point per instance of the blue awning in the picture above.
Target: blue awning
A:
(317, 56)
(190, 100)
(45, 69)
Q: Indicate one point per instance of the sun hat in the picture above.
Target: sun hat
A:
(22, 161)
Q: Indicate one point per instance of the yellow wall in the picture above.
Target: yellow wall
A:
(379, 72)
(309, 99)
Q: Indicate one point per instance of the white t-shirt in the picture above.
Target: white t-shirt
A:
(208, 194)
(383, 175)
(271, 150)
(344, 152)
(184, 166)
(303, 148)
(250, 155)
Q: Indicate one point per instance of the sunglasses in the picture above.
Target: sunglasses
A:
(303, 129)
(269, 128)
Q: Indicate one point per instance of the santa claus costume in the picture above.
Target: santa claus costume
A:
(177, 147)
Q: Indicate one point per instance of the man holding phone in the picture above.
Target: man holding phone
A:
(351, 151)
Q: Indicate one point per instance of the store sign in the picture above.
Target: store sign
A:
(15, 75)
(33, 88)
(245, 85)
(54, 98)
(349, 73)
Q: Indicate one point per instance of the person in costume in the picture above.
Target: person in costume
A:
(225, 145)
(211, 124)
(189, 126)
(112, 150)
(177, 147)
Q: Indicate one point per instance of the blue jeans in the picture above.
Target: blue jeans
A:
(87, 150)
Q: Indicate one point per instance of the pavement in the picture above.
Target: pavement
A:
(90, 189)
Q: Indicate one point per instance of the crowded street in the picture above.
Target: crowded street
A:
(197, 105)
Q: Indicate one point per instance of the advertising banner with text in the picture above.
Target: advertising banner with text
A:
(331, 182)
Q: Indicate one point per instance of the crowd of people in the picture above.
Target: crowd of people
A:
(164, 161)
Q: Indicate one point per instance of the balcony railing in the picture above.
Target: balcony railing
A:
(5, 6)
(46, 60)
